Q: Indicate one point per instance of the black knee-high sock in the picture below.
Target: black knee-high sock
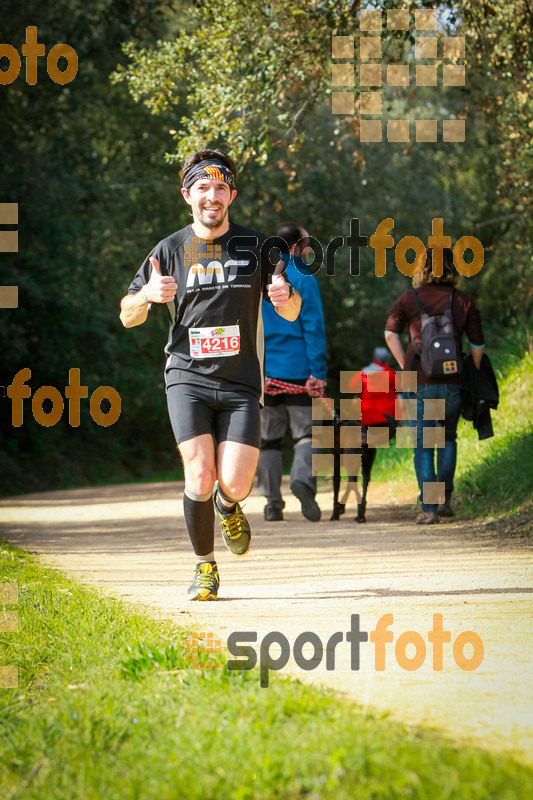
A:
(200, 520)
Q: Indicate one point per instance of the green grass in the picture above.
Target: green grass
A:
(493, 476)
(107, 708)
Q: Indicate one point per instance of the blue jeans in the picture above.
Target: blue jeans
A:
(424, 457)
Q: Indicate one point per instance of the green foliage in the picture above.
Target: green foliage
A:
(87, 166)
(78, 727)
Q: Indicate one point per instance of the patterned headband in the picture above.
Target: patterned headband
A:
(212, 170)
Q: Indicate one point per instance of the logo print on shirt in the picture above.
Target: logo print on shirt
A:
(214, 272)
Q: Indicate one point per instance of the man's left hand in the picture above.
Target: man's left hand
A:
(278, 291)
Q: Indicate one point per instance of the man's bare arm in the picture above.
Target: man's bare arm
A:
(159, 289)
(133, 310)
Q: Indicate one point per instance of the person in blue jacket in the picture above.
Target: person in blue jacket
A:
(295, 370)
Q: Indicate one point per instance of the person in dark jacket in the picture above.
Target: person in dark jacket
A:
(434, 292)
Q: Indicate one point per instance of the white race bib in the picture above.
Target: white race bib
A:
(214, 342)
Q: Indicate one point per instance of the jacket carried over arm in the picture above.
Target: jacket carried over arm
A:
(480, 394)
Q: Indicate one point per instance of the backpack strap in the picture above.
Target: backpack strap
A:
(450, 300)
(422, 311)
(418, 301)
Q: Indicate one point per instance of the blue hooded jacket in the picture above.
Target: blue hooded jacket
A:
(295, 350)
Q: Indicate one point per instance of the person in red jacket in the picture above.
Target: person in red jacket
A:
(374, 385)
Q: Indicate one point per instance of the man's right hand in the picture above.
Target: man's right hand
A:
(160, 288)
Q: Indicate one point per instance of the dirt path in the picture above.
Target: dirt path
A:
(301, 577)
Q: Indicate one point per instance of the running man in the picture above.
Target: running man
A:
(212, 275)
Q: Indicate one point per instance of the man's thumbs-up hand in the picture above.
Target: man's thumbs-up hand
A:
(279, 289)
(160, 288)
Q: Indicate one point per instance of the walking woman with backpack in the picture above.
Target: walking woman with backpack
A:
(436, 314)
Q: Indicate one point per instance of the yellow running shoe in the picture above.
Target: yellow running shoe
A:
(235, 528)
(206, 582)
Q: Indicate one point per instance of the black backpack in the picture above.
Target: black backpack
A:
(440, 356)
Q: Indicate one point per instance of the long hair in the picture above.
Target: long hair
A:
(449, 277)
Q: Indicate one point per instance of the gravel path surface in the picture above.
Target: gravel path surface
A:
(304, 577)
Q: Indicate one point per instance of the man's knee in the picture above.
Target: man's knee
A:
(200, 481)
(236, 489)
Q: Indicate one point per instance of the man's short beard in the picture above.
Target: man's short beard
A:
(211, 223)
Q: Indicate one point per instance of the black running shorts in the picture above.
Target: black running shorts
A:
(229, 416)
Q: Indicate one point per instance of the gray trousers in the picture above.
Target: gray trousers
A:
(274, 420)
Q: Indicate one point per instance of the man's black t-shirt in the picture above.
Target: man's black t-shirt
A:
(216, 329)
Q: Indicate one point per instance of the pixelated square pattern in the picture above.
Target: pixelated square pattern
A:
(350, 381)
(351, 463)
(322, 436)
(350, 409)
(378, 437)
(370, 130)
(406, 381)
(342, 103)
(342, 47)
(370, 20)
(201, 643)
(454, 47)
(453, 75)
(406, 492)
(370, 47)
(433, 437)
(201, 248)
(9, 593)
(433, 493)
(434, 408)
(322, 465)
(453, 130)
(9, 623)
(426, 130)
(406, 437)
(370, 102)
(398, 20)
(426, 20)
(398, 75)
(406, 408)
(426, 75)
(350, 436)
(377, 381)
(9, 241)
(319, 410)
(342, 74)
(425, 47)
(9, 296)
(379, 493)
(9, 677)
(370, 74)
(398, 130)
(9, 213)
